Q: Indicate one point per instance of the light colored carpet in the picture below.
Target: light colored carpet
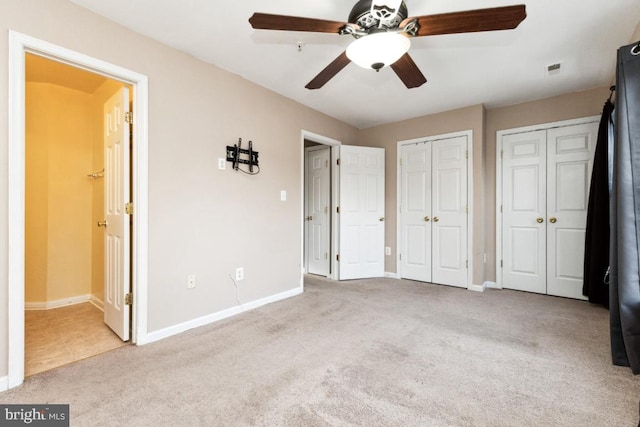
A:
(369, 352)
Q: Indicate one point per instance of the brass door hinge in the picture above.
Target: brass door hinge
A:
(128, 208)
(128, 299)
(338, 162)
(501, 264)
(338, 209)
(128, 117)
(338, 257)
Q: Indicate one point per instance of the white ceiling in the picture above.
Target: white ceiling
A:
(494, 68)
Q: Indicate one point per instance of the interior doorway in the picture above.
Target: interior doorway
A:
(19, 46)
(321, 149)
(65, 128)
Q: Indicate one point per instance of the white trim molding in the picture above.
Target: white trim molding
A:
(491, 285)
(220, 315)
(48, 305)
(4, 384)
(476, 288)
(391, 275)
(19, 45)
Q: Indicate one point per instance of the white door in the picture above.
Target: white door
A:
(524, 211)
(317, 196)
(545, 192)
(570, 162)
(449, 209)
(433, 211)
(116, 173)
(361, 212)
(415, 211)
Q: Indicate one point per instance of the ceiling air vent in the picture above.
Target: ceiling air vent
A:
(553, 69)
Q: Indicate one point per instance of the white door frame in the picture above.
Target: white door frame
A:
(308, 150)
(335, 194)
(19, 45)
(469, 135)
(499, 135)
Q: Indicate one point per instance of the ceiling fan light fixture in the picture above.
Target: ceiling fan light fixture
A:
(378, 50)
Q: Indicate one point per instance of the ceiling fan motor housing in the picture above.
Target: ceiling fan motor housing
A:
(361, 16)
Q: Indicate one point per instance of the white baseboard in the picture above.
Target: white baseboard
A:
(97, 302)
(390, 275)
(491, 285)
(4, 384)
(211, 318)
(476, 288)
(47, 305)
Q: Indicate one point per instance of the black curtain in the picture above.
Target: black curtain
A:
(624, 286)
(596, 253)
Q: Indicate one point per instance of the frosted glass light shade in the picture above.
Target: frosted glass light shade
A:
(378, 50)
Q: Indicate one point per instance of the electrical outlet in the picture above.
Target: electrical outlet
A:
(222, 163)
(191, 281)
(387, 250)
(239, 273)
(283, 195)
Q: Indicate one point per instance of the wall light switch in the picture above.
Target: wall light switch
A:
(222, 163)
(387, 250)
(283, 195)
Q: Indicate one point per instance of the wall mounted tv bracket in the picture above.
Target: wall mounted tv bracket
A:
(237, 155)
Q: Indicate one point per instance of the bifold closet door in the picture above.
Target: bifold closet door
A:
(433, 211)
(524, 207)
(570, 163)
(545, 192)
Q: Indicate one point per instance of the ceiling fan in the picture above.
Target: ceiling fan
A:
(382, 32)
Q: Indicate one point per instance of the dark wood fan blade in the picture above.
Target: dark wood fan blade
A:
(408, 72)
(331, 70)
(470, 21)
(265, 21)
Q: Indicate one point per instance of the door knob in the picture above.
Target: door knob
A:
(553, 220)
(102, 223)
(310, 218)
(381, 219)
(426, 218)
(540, 220)
(436, 219)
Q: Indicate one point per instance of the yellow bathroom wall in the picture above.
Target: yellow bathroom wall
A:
(58, 244)
(36, 198)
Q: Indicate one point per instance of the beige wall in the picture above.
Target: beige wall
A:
(202, 221)
(58, 194)
(387, 137)
(565, 107)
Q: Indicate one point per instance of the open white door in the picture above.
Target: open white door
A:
(317, 196)
(361, 212)
(116, 195)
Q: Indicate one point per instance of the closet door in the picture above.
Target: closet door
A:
(545, 192)
(415, 209)
(433, 211)
(569, 166)
(449, 209)
(524, 211)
